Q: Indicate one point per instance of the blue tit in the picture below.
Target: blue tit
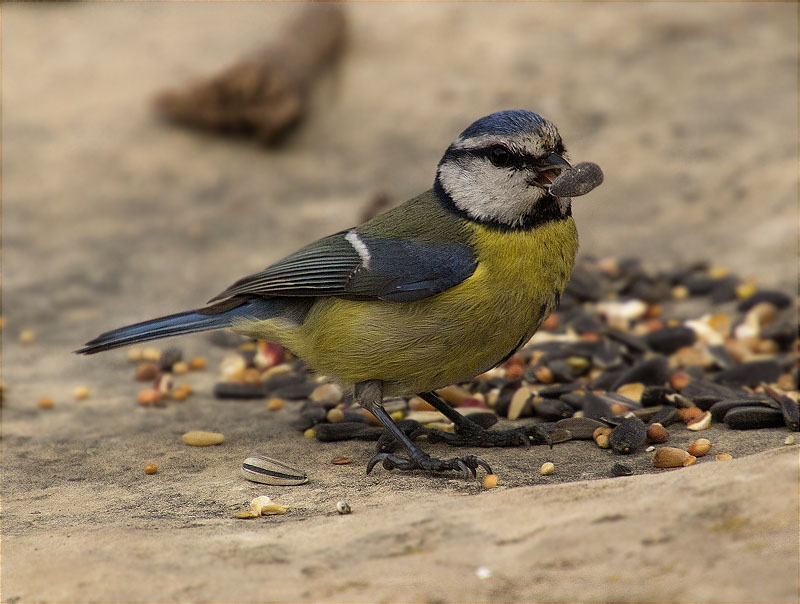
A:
(433, 292)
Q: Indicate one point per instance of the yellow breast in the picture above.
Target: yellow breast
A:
(453, 336)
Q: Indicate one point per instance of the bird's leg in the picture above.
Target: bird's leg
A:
(369, 395)
(468, 433)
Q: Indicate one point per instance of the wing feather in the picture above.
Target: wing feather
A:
(399, 270)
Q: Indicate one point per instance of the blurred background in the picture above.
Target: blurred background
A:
(112, 214)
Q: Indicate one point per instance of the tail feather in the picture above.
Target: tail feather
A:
(172, 325)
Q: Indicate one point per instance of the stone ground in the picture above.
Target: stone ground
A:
(111, 216)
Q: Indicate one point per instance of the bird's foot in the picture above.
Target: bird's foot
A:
(476, 436)
(423, 461)
(388, 442)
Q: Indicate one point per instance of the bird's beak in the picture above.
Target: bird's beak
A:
(551, 167)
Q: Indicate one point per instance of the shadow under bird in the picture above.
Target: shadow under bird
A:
(433, 292)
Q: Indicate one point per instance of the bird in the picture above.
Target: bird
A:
(433, 292)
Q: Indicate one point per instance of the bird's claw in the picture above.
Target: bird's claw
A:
(467, 465)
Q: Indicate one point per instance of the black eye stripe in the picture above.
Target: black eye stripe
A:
(518, 161)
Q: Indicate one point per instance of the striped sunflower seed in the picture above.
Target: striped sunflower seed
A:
(271, 471)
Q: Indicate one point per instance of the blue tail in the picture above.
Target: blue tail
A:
(178, 324)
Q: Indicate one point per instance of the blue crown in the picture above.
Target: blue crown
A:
(506, 122)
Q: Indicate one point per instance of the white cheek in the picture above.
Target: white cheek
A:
(486, 192)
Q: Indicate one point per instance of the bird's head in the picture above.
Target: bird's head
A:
(499, 170)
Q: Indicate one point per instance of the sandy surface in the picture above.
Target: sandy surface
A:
(110, 216)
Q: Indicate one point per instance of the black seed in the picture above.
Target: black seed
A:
(720, 409)
(279, 381)
(722, 358)
(484, 419)
(630, 266)
(295, 392)
(699, 284)
(236, 390)
(783, 332)
(628, 435)
(746, 418)
(776, 298)
(585, 286)
(562, 372)
(302, 424)
(559, 435)
(750, 374)
(169, 357)
(621, 469)
(585, 322)
(791, 413)
(646, 413)
(655, 395)
(605, 380)
(347, 431)
(504, 401)
(634, 344)
(595, 407)
(556, 390)
(355, 415)
(573, 399)
(651, 372)
(225, 339)
(581, 428)
(608, 355)
(704, 393)
(724, 290)
(648, 290)
(552, 409)
(314, 413)
(670, 339)
(665, 416)
(616, 397)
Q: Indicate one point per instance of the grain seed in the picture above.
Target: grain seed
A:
(201, 438)
(46, 402)
(197, 364)
(81, 393)
(148, 396)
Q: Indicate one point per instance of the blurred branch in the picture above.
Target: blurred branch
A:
(266, 94)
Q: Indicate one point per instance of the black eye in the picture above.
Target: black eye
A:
(499, 156)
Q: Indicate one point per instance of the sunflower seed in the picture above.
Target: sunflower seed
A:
(271, 471)
(578, 180)
(343, 507)
(629, 435)
(581, 428)
(751, 373)
(744, 418)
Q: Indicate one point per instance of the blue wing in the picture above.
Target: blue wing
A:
(353, 265)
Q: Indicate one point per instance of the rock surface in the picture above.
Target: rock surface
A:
(110, 217)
